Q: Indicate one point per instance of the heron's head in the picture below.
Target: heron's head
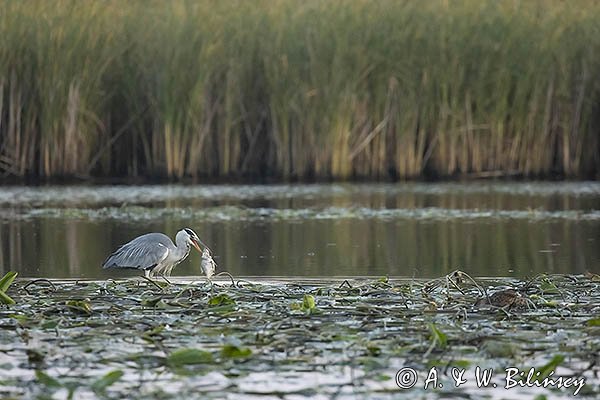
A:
(193, 239)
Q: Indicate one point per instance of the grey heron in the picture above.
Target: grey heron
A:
(154, 253)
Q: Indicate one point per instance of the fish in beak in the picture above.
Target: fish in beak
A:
(207, 265)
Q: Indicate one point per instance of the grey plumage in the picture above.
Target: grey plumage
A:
(154, 253)
(143, 252)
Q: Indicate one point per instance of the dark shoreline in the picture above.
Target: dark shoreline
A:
(272, 180)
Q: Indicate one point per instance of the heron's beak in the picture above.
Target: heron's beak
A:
(195, 244)
(204, 245)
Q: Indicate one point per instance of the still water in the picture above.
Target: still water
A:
(416, 229)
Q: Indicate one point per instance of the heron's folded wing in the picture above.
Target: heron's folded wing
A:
(134, 254)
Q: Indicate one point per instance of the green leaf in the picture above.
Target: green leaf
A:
(47, 380)
(151, 302)
(6, 299)
(231, 351)
(21, 319)
(593, 322)
(308, 305)
(188, 357)
(157, 330)
(461, 363)
(7, 280)
(438, 335)
(49, 323)
(550, 366)
(81, 306)
(308, 302)
(548, 286)
(107, 380)
(220, 300)
(382, 377)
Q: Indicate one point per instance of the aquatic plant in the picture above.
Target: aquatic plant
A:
(5, 283)
(244, 337)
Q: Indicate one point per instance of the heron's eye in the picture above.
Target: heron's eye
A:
(190, 232)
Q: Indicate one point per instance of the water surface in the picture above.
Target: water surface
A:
(420, 230)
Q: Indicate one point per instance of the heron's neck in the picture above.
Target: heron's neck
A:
(183, 247)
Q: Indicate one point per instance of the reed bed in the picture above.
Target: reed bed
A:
(299, 90)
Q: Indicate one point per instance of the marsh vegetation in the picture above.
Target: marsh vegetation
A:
(293, 338)
(281, 89)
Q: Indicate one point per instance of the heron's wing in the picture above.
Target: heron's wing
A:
(143, 252)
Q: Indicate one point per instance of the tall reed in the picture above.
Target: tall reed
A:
(284, 89)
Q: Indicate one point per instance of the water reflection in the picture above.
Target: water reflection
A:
(410, 230)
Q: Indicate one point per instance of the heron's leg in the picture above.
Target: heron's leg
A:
(159, 270)
(163, 273)
(149, 275)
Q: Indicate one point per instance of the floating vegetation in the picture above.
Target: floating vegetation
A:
(5, 283)
(61, 196)
(293, 337)
(235, 213)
